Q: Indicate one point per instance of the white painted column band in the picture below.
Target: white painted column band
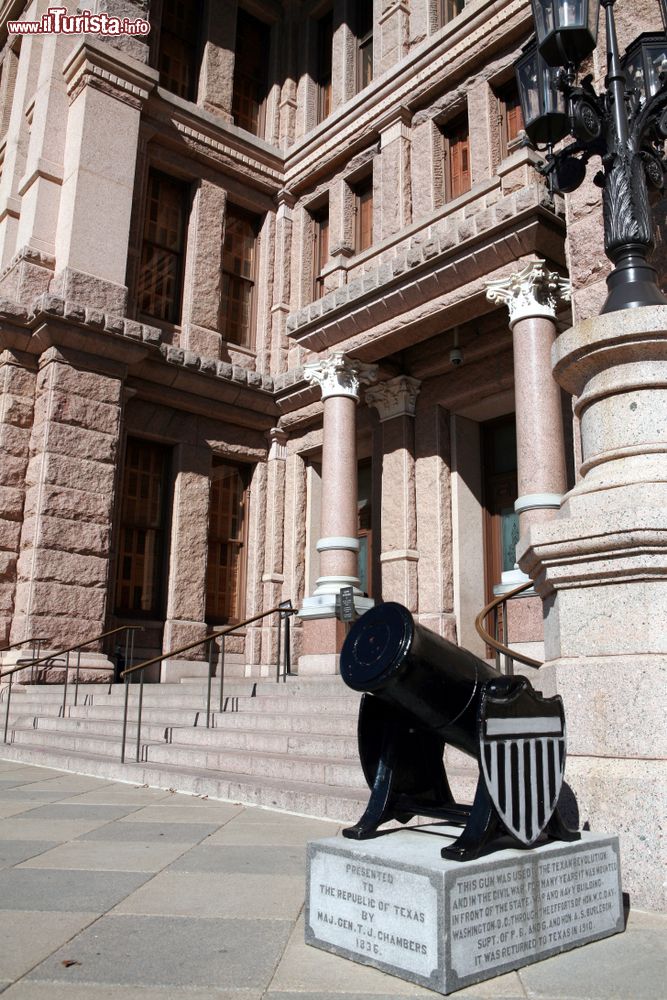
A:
(538, 501)
(338, 542)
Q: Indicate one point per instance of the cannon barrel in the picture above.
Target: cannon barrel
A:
(387, 654)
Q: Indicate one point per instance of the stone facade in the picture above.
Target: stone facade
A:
(369, 253)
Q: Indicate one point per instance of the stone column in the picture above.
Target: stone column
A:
(273, 576)
(600, 567)
(395, 402)
(395, 173)
(106, 90)
(63, 566)
(186, 590)
(532, 296)
(340, 380)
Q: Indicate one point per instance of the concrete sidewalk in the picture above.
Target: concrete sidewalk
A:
(112, 891)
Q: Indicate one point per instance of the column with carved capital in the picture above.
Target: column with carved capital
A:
(395, 402)
(340, 380)
(532, 296)
(106, 90)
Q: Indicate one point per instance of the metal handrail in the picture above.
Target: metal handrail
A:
(54, 660)
(285, 610)
(493, 640)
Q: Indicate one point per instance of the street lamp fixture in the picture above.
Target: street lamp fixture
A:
(625, 125)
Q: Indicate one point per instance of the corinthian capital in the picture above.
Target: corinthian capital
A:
(337, 375)
(395, 398)
(534, 291)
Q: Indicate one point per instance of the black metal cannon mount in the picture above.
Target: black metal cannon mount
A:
(419, 693)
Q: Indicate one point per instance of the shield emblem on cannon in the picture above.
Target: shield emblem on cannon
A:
(522, 755)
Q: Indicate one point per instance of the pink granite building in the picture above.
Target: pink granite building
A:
(255, 271)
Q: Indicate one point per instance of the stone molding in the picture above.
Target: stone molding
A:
(338, 542)
(105, 69)
(338, 375)
(395, 398)
(533, 292)
(277, 444)
(538, 501)
(400, 555)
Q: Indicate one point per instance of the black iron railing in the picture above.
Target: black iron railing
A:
(215, 654)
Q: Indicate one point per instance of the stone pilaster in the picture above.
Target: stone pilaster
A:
(600, 568)
(201, 304)
(395, 179)
(17, 392)
(340, 380)
(186, 587)
(532, 296)
(273, 577)
(106, 90)
(394, 32)
(282, 269)
(63, 564)
(395, 402)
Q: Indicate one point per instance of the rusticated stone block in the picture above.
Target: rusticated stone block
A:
(17, 410)
(11, 503)
(132, 329)
(77, 473)
(12, 470)
(10, 535)
(81, 412)
(72, 381)
(75, 312)
(14, 441)
(67, 536)
(71, 601)
(71, 504)
(17, 380)
(224, 370)
(67, 568)
(77, 442)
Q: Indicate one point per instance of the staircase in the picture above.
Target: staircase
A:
(291, 747)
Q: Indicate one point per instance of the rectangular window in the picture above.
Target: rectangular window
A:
(449, 9)
(225, 573)
(511, 118)
(364, 33)
(320, 248)
(163, 248)
(363, 212)
(142, 542)
(457, 159)
(179, 49)
(237, 308)
(364, 526)
(250, 72)
(324, 65)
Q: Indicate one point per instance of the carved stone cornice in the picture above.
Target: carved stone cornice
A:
(395, 398)
(99, 66)
(339, 376)
(532, 292)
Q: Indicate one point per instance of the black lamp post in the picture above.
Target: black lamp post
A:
(626, 126)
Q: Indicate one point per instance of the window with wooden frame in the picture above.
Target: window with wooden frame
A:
(365, 526)
(364, 33)
(227, 530)
(457, 158)
(179, 48)
(324, 65)
(251, 76)
(449, 9)
(499, 487)
(239, 268)
(363, 213)
(320, 217)
(160, 280)
(143, 529)
(509, 116)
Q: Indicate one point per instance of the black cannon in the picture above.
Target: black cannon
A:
(421, 692)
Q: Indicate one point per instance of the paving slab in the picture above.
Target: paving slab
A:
(20, 827)
(89, 991)
(186, 812)
(629, 966)
(70, 891)
(86, 855)
(13, 852)
(121, 793)
(234, 858)
(74, 811)
(14, 808)
(29, 937)
(268, 830)
(171, 951)
(121, 831)
(253, 897)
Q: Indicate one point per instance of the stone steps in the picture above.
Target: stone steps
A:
(293, 746)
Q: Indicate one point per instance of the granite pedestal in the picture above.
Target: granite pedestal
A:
(395, 904)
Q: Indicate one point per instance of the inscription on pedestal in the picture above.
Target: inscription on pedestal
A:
(396, 904)
(381, 914)
(516, 912)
